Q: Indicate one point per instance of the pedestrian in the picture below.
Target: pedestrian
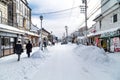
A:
(18, 49)
(29, 48)
(44, 43)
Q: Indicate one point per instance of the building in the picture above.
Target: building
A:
(34, 38)
(108, 25)
(8, 34)
(15, 24)
(45, 33)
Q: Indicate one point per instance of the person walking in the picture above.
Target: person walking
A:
(18, 49)
(29, 48)
(44, 43)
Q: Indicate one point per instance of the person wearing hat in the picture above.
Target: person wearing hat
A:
(18, 49)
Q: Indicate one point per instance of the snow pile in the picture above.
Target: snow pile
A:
(40, 54)
(91, 53)
(37, 54)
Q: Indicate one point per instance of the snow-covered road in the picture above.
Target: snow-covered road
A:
(62, 65)
(62, 62)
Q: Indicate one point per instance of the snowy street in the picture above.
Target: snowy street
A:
(61, 65)
(62, 62)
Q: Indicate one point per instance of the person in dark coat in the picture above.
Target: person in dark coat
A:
(29, 48)
(18, 50)
(44, 43)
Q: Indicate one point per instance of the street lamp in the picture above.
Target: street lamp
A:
(41, 44)
(66, 28)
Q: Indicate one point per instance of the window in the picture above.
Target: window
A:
(114, 18)
(5, 42)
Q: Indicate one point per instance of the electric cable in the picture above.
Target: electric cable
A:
(59, 11)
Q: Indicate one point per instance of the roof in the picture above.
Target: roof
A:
(45, 30)
(7, 28)
(97, 17)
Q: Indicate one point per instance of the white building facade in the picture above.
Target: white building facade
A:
(108, 25)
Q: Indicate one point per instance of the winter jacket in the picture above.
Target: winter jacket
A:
(18, 48)
(29, 47)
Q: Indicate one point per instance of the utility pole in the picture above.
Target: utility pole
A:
(84, 10)
(86, 17)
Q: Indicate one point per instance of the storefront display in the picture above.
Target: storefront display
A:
(117, 44)
(113, 40)
(112, 45)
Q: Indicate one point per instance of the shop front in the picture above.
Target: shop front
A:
(33, 37)
(111, 41)
(7, 42)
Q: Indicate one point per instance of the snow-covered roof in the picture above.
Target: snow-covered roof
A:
(30, 33)
(104, 31)
(8, 28)
(11, 29)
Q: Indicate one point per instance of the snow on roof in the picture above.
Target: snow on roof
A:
(8, 28)
(104, 31)
(30, 33)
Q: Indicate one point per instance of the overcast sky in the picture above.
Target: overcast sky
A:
(56, 22)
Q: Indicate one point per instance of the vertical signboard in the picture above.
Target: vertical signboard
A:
(117, 44)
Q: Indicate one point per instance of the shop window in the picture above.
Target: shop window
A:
(6, 39)
(5, 42)
(114, 18)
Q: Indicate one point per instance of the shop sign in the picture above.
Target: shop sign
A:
(109, 34)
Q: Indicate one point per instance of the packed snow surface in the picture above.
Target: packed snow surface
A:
(62, 62)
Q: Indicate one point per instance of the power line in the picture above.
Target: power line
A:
(71, 11)
(98, 8)
(94, 12)
(95, 7)
(91, 11)
(56, 11)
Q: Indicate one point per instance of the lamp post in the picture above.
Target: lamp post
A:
(41, 44)
(66, 28)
